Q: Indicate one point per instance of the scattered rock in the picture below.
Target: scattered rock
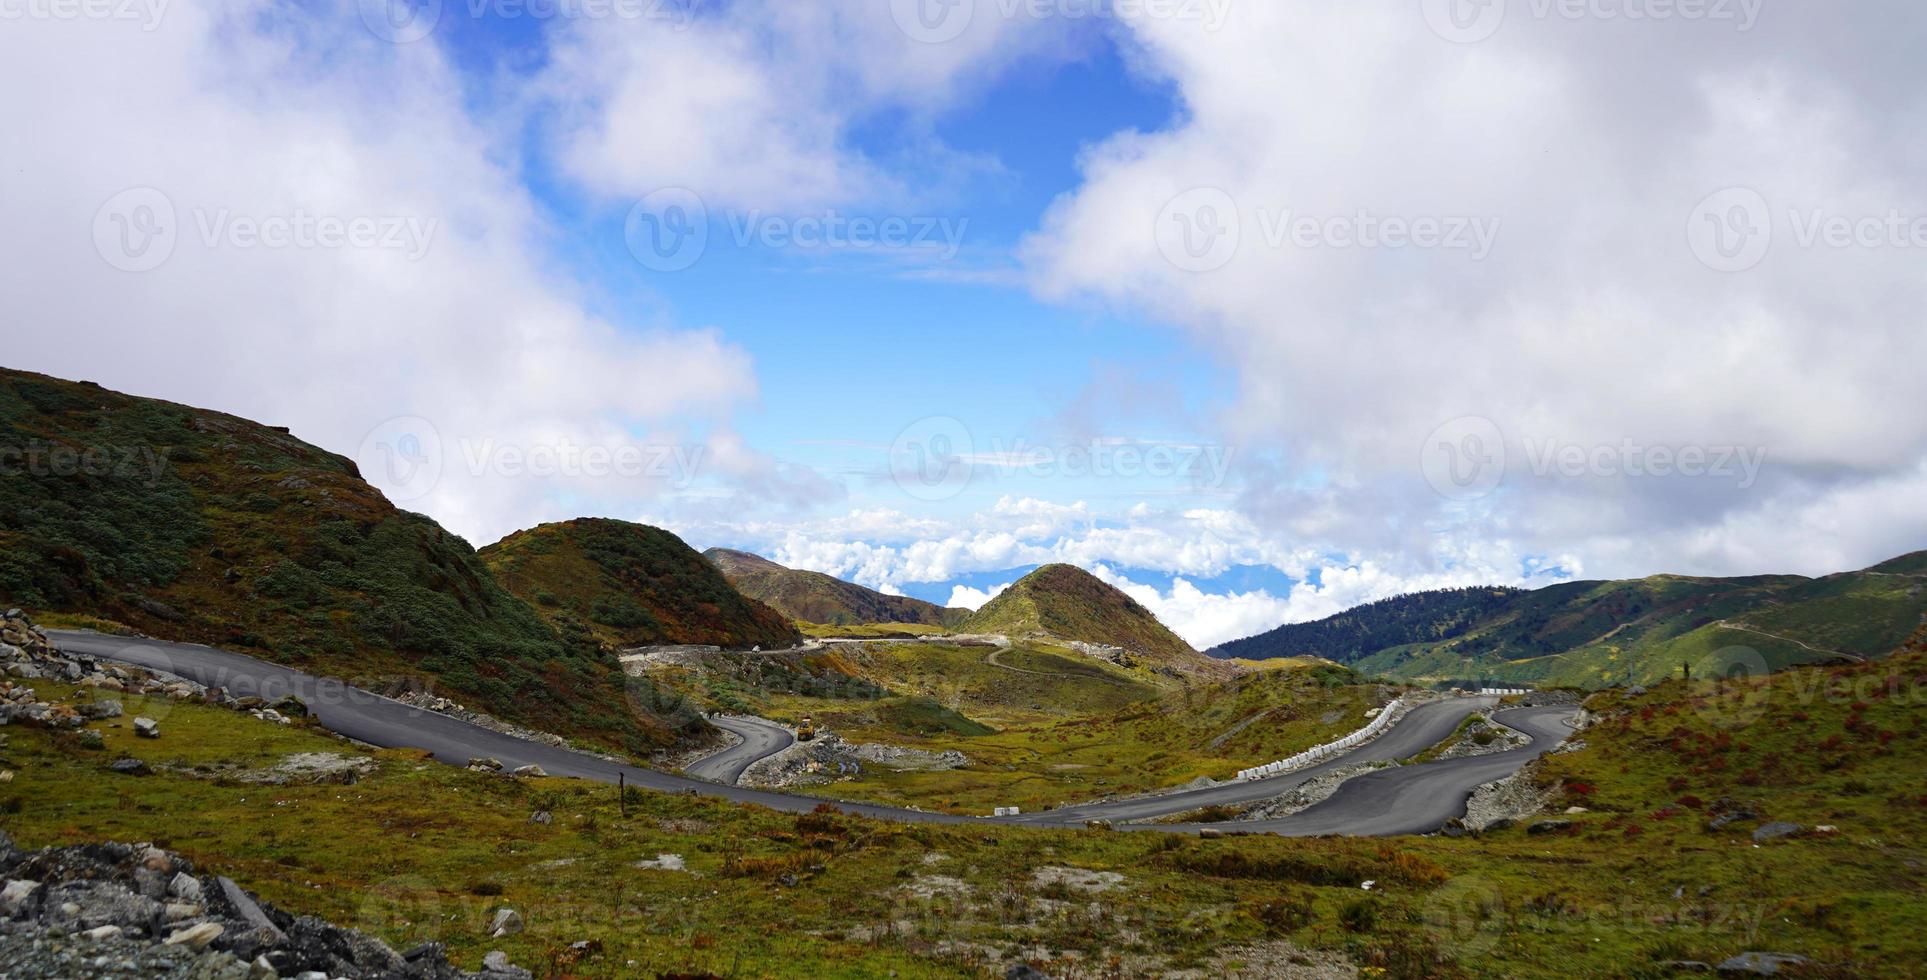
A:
(664, 862)
(485, 765)
(95, 911)
(128, 767)
(1761, 964)
(1775, 831)
(147, 728)
(542, 817)
(530, 771)
(1024, 971)
(16, 894)
(507, 922)
(196, 936)
(184, 887)
(1548, 826)
(99, 710)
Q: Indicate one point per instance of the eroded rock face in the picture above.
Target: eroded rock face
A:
(145, 912)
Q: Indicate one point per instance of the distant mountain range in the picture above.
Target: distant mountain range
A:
(1593, 634)
(813, 597)
(631, 585)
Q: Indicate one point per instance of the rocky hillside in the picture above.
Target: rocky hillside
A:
(1069, 603)
(137, 910)
(1593, 634)
(191, 525)
(813, 597)
(629, 585)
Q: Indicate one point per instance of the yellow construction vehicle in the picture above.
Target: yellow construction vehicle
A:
(806, 731)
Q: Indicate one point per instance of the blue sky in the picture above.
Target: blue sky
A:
(1258, 310)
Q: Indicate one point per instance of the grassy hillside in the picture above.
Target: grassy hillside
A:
(1635, 883)
(1593, 634)
(813, 597)
(1068, 603)
(1161, 740)
(192, 525)
(630, 585)
(1420, 617)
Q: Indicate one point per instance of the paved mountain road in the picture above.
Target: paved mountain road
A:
(381, 721)
(1420, 729)
(761, 738)
(1418, 799)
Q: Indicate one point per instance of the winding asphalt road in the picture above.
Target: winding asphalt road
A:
(1420, 729)
(1418, 799)
(371, 718)
(761, 738)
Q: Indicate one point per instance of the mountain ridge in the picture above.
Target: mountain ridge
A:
(814, 597)
(1598, 633)
(631, 585)
(203, 527)
(1068, 603)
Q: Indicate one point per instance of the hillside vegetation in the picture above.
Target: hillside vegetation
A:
(192, 525)
(630, 585)
(813, 597)
(1594, 634)
(1068, 603)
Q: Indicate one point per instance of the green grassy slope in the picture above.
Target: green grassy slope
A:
(1593, 634)
(844, 897)
(813, 597)
(1068, 603)
(629, 585)
(197, 526)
